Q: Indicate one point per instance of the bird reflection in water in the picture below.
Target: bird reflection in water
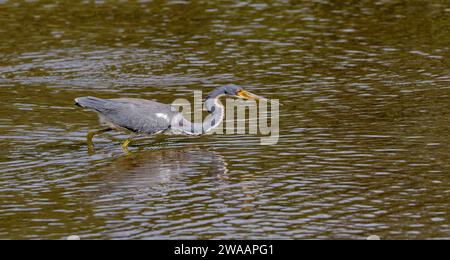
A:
(165, 167)
(151, 176)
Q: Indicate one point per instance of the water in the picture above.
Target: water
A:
(364, 128)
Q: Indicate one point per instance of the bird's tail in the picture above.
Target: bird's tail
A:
(90, 102)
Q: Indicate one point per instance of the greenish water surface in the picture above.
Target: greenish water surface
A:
(364, 147)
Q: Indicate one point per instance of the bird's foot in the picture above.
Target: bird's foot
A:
(125, 146)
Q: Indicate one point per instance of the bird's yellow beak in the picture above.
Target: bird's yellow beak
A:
(250, 96)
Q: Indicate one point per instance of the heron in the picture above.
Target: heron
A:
(147, 117)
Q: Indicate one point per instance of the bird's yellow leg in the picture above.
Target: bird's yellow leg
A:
(126, 144)
(91, 135)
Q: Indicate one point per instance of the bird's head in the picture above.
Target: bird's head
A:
(231, 91)
(234, 91)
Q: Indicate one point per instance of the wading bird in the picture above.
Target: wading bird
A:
(146, 117)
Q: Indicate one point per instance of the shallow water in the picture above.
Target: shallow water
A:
(364, 147)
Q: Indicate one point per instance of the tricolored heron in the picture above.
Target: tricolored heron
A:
(140, 116)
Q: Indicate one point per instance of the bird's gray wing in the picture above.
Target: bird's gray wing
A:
(136, 115)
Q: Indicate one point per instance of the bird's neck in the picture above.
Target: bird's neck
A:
(214, 119)
(216, 113)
